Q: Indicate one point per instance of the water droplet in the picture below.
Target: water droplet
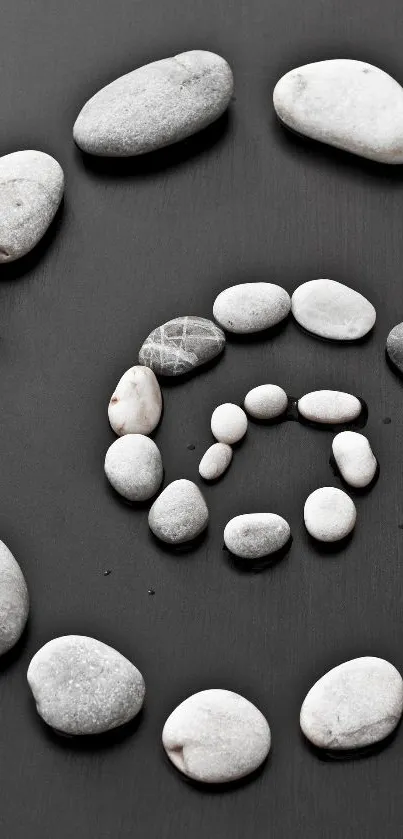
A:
(151, 591)
(191, 447)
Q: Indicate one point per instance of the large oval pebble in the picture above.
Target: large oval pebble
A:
(179, 514)
(133, 465)
(82, 686)
(332, 310)
(251, 307)
(181, 344)
(329, 406)
(354, 458)
(136, 404)
(329, 514)
(255, 535)
(229, 423)
(155, 105)
(394, 346)
(348, 104)
(215, 461)
(216, 736)
(354, 705)
(14, 600)
(31, 189)
(266, 402)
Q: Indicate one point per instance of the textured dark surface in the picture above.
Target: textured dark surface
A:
(135, 245)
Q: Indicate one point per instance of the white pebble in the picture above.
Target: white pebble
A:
(254, 535)
(329, 514)
(251, 307)
(215, 461)
(229, 423)
(266, 402)
(354, 457)
(329, 406)
(179, 514)
(332, 310)
(136, 404)
(133, 466)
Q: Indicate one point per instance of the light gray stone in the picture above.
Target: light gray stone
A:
(82, 686)
(266, 402)
(14, 600)
(332, 310)
(31, 189)
(155, 105)
(329, 406)
(133, 466)
(356, 704)
(215, 461)
(394, 346)
(216, 736)
(254, 535)
(354, 458)
(329, 514)
(179, 514)
(136, 404)
(348, 104)
(181, 345)
(229, 423)
(251, 307)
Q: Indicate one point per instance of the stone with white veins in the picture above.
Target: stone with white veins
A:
(266, 402)
(356, 704)
(394, 346)
(155, 105)
(136, 404)
(182, 344)
(255, 535)
(329, 406)
(229, 423)
(133, 466)
(332, 310)
(179, 514)
(82, 686)
(251, 307)
(329, 514)
(215, 461)
(216, 736)
(354, 458)
(345, 103)
(14, 600)
(31, 189)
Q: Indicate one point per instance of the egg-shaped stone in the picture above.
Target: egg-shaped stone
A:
(266, 402)
(329, 407)
(215, 461)
(181, 345)
(394, 346)
(133, 466)
(255, 535)
(14, 600)
(354, 458)
(179, 514)
(229, 423)
(251, 307)
(329, 514)
(136, 404)
(332, 310)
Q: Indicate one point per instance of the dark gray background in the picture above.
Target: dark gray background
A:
(135, 245)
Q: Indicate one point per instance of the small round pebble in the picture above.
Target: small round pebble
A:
(215, 461)
(229, 423)
(329, 406)
(329, 514)
(136, 404)
(332, 310)
(82, 686)
(133, 466)
(251, 307)
(179, 514)
(266, 402)
(254, 535)
(354, 458)
(216, 736)
(394, 346)
(14, 600)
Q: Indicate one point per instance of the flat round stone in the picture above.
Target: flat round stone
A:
(133, 465)
(229, 423)
(82, 686)
(136, 404)
(329, 406)
(254, 535)
(251, 307)
(266, 402)
(181, 345)
(14, 600)
(216, 736)
(356, 704)
(179, 514)
(332, 310)
(329, 514)
(394, 346)
(215, 461)
(354, 458)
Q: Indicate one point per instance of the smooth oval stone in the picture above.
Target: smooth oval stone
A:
(394, 346)
(354, 705)
(14, 600)
(329, 514)
(181, 344)
(229, 423)
(179, 514)
(155, 105)
(348, 104)
(332, 310)
(255, 535)
(216, 736)
(31, 189)
(82, 686)
(136, 404)
(133, 466)
(251, 307)
(329, 406)
(354, 458)
(215, 461)
(266, 402)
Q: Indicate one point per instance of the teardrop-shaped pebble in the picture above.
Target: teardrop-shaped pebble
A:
(229, 423)
(181, 344)
(179, 514)
(329, 406)
(348, 104)
(133, 466)
(14, 600)
(332, 310)
(82, 686)
(216, 736)
(136, 404)
(394, 346)
(356, 704)
(31, 189)
(251, 307)
(266, 402)
(215, 461)
(329, 514)
(155, 105)
(254, 535)
(354, 458)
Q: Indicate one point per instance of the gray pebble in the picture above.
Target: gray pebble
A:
(354, 458)
(266, 402)
(332, 310)
(329, 514)
(229, 423)
(329, 406)
(394, 346)
(179, 514)
(254, 535)
(14, 600)
(215, 461)
(136, 404)
(251, 307)
(181, 345)
(133, 466)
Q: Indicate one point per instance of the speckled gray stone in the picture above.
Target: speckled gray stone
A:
(354, 705)
(216, 736)
(229, 423)
(329, 406)
(332, 310)
(181, 345)
(155, 105)
(133, 466)
(251, 307)
(82, 686)
(348, 104)
(14, 600)
(179, 514)
(354, 458)
(254, 535)
(266, 402)
(136, 404)
(215, 461)
(31, 189)
(329, 514)
(394, 346)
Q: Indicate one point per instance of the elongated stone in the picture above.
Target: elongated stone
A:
(332, 310)
(329, 406)
(354, 458)
(136, 404)
(181, 345)
(266, 402)
(255, 535)
(215, 461)
(251, 307)
(14, 600)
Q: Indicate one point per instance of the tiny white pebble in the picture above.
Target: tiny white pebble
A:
(215, 461)
(266, 402)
